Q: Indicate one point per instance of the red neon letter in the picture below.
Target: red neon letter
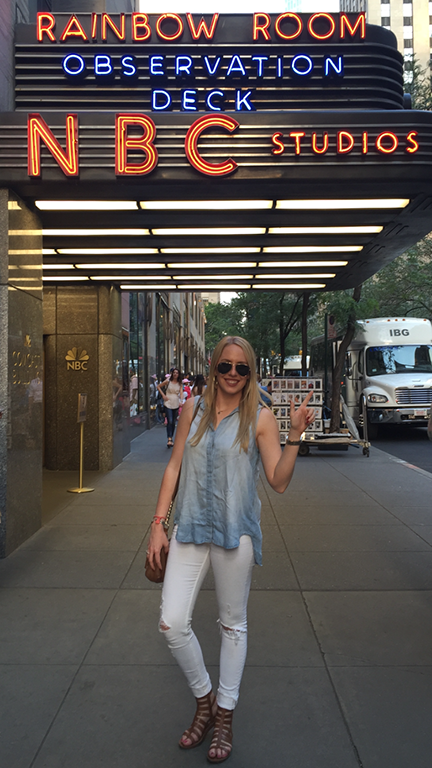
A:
(73, 29)
(140, 21)
(94, 26)
(342, 150)
(282, 18)
(279, 146)
(180, 26)
(325, 16)
(297, 135)
(259, 26)
(345, 25)
(415, 144)
(202, 27)
(191, 144)
(365, 143)
(324, 147)
(42, 28)
(37, 129)
(120, 33)
(144, 143)
(394, 142)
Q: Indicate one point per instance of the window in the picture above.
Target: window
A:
(399, 359)
(408, 43)
(407, 21)
(385, 21)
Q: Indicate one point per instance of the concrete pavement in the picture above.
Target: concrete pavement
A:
(339, 668)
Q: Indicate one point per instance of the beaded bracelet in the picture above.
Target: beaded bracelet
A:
(160, 521)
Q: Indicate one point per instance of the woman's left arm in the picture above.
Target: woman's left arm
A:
(279, 465)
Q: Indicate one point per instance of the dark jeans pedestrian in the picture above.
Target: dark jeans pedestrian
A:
(171, 414)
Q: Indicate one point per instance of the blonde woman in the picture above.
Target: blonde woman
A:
(220, 439)
(171, 397)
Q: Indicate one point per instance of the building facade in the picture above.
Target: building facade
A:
(59, 340)
(409, 21)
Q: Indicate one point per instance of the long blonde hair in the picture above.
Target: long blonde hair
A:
(249, 402)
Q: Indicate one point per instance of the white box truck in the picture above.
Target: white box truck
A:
(389, 361)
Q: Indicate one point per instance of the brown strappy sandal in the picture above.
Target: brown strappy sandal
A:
(203, 721)
(222, 735)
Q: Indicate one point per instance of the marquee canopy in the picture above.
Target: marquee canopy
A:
(235, 152)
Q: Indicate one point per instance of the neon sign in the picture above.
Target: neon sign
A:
(170, 27)
(296, 143)
(232, 69)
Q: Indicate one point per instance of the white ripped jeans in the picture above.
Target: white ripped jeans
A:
(186, 569)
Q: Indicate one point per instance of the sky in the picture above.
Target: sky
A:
(241, 6)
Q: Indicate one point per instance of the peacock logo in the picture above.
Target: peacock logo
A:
(76, 359)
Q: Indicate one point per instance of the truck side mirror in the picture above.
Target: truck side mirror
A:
(348, 366)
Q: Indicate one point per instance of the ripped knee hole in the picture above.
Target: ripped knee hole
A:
(163, 627)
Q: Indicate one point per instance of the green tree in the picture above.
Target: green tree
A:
(221, 320)
(404, 287)
(417, 82)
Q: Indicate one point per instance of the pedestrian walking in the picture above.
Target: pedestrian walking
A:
(171, 391)
(220, 438)
(198, 385)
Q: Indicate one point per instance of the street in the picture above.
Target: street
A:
(408, 443)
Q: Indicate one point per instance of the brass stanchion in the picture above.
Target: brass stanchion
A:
(82, 415)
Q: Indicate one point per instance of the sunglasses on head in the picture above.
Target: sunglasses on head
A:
(241, 368)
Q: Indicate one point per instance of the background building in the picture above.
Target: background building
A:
(409, 21)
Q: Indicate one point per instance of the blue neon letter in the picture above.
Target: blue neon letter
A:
(183, 65)
(156, 65)
(308, 63)
(209, 101)
(236, 67)
(161, 100)
(68, 60)
(128, 64)
(279, 67)
(260, 64)
(243, 101)
(212, 72)
(189, 99)
(102, 64)
(337, 67)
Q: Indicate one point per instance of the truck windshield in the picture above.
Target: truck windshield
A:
(399, 359)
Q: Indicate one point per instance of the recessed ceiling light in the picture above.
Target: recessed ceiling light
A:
(302, 264)
(205, 205)
(361, 230)
(94, 232)
(113, 265)
(58, 266)
(55, 278)
(325, 205)
(295, 277)
(214, 265)
(313, 249)
(191, 251)
(225, 287)
(293, 286)
(214, 277)
(145, 287)
(129, 277)
(86, 205)
(106, 251)
(205, 231)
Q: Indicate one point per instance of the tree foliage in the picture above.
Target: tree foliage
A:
(404, 287)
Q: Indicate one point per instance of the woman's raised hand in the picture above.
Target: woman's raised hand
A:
(303, 416)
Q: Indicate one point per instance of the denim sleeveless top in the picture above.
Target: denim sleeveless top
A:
(217, 499)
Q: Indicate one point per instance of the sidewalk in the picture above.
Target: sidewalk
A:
(339, 668)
